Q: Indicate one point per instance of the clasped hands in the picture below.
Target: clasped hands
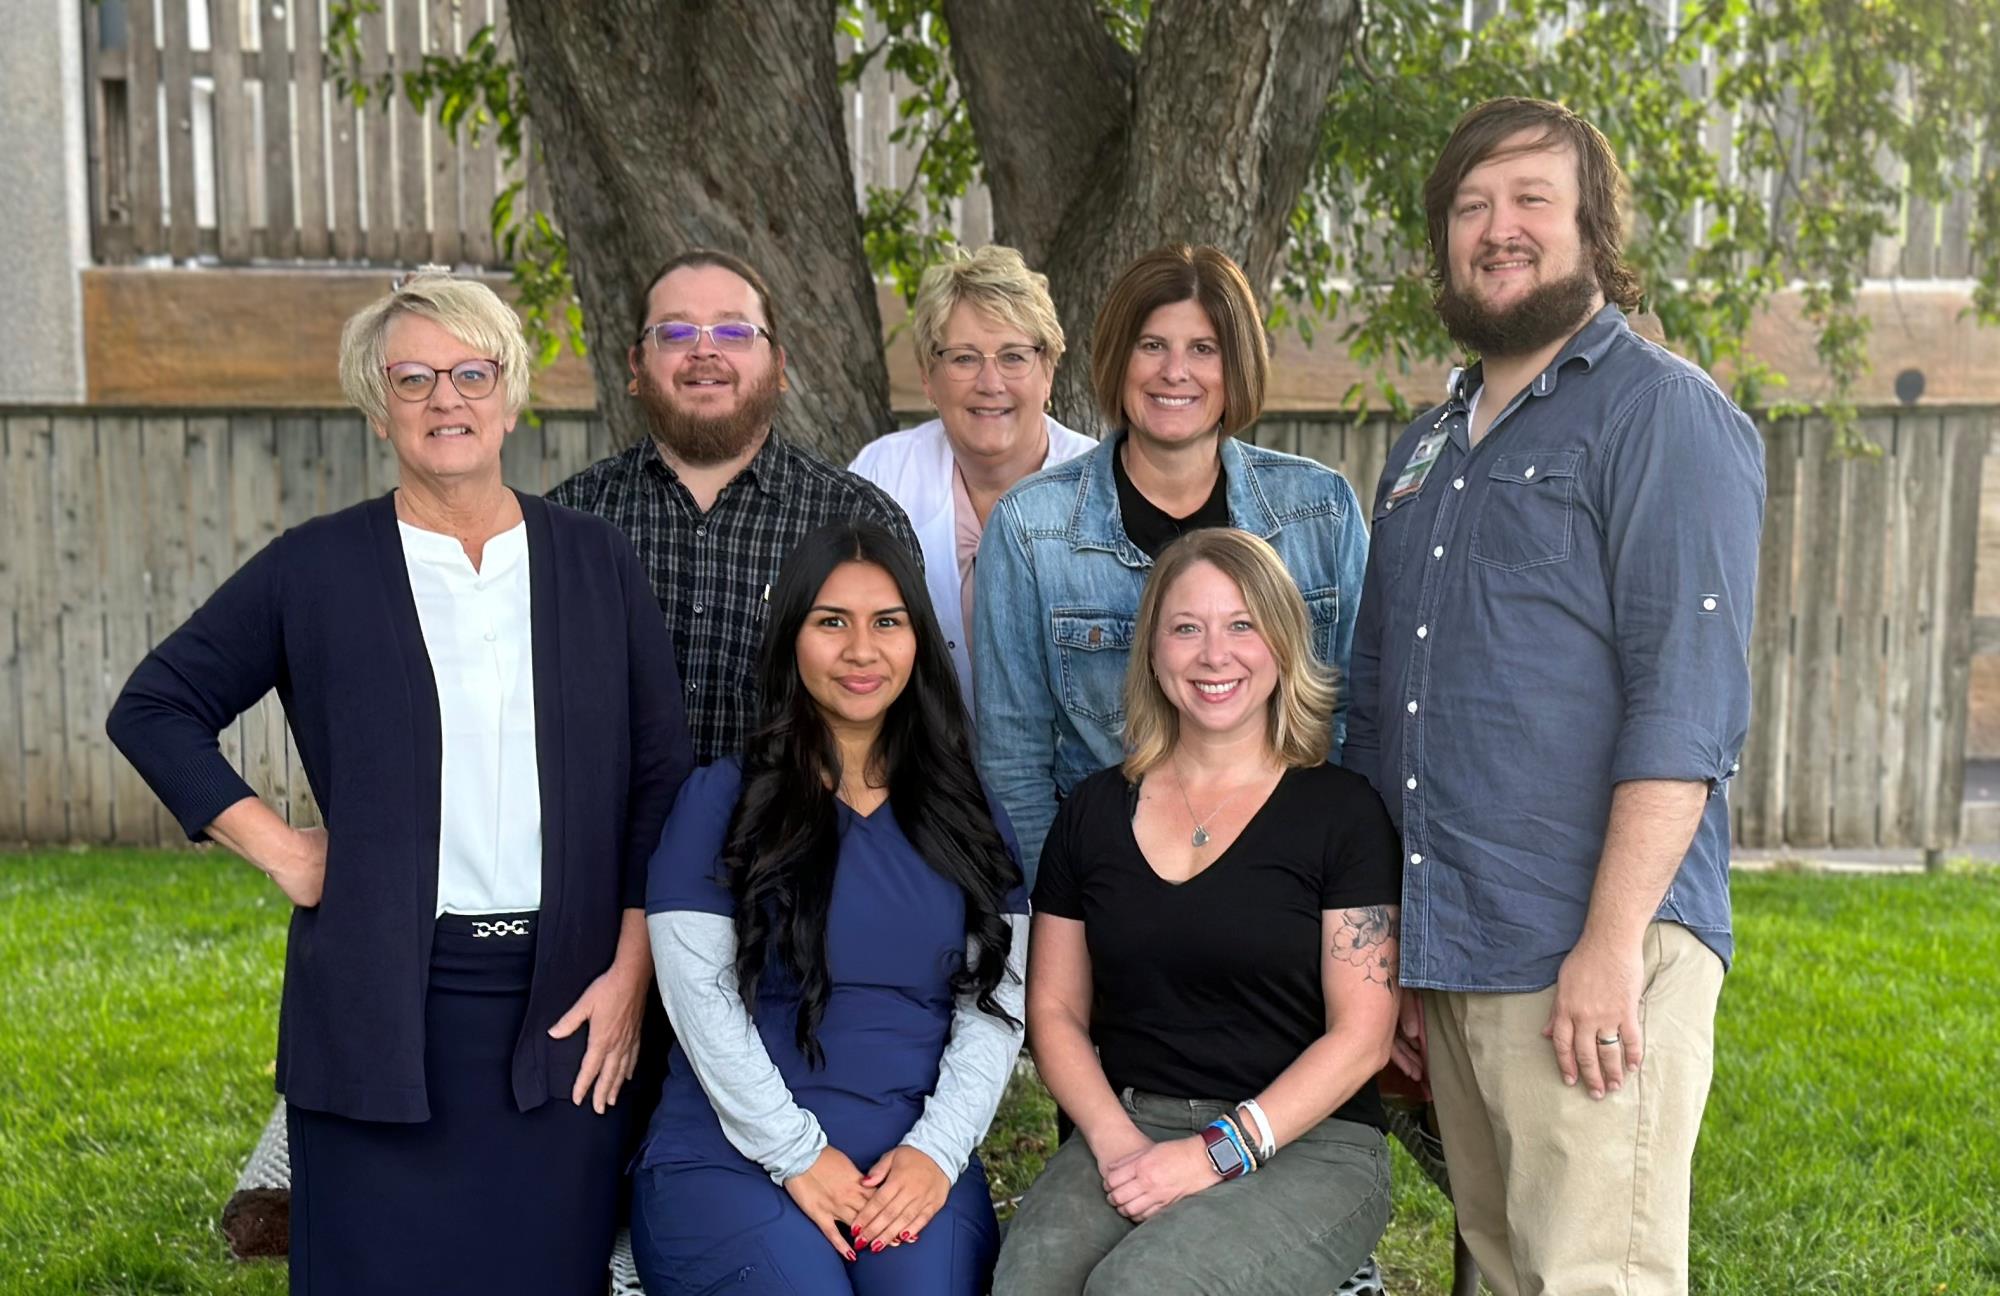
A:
(886, 1207)
(1141, 1178)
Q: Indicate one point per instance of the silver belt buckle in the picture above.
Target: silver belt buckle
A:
(512, 927)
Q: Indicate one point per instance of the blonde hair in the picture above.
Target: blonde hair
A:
(1299, 719)
(1178, 273)
(997, 283)
(465, 308)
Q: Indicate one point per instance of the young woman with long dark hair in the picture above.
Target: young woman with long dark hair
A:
(839, 929)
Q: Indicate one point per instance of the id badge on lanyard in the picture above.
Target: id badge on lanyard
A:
(1411, 479)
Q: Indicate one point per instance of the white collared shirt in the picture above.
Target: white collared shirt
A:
(476, 631)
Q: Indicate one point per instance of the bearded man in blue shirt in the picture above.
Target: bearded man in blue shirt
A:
(1550, 688)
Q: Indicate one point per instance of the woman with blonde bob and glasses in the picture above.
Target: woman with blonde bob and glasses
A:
(1211, 978)
(486, 706)
(988, 342)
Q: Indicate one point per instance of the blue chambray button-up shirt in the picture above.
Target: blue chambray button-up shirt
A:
(1560, 609)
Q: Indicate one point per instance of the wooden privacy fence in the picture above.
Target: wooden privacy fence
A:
(217, 131)
(115, 527)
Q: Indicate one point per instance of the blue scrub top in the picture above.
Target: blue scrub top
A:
(895, 936)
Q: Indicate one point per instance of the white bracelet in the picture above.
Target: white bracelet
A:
(1267, 1142)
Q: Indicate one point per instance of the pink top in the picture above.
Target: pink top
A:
(966, 531)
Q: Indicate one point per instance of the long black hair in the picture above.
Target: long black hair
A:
(783, 839)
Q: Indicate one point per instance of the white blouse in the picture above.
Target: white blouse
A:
(476, 631)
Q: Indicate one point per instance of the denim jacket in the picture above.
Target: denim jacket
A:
(1058, 593)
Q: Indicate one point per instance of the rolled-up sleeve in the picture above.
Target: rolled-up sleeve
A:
(1682, 505)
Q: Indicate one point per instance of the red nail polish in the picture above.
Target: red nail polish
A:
(850, 1257)
(876, 1247)
(908, 1237)
(860, 1241)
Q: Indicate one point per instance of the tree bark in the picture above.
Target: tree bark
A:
(1208, 137)
(672, 124)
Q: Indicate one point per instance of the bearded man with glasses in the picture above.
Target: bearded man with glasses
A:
(715, 498)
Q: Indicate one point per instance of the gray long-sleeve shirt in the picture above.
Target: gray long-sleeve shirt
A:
(694, 955)
(1562, 608)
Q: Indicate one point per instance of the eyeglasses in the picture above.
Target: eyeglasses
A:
(414, 381)
(962, 364)
(679, 335)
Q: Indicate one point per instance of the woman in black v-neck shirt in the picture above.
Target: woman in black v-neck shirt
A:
(1211, 984)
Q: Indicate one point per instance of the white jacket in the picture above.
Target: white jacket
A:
(915, 467)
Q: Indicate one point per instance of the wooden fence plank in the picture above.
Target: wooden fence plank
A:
(13, 831)
(274, 66)
(177, 75)
(1323, 440)
(378, 158)
(413, 235)
(124, 559)
(236, 149)
(212, 555)
(1858, 760)
(78, 548)
(441, 37)
(344, 129)
(344, 441)
(1913, 627)
(142, 137)
(1757, 798)
(308, 75)
(479, 166)
(1965, 444)
(1809, 790)
(30, 524)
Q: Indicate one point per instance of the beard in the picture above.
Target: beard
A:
(702, 440)
(1547, 314)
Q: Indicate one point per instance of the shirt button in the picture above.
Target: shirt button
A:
(700, 531)
(1423, 632)
(1416, 858)
(697, 609)
(490, 636)
(1438, 552)
(1708, 605)
(1413, 708)
(1458, 484)
(1530, 473)
(1410, 784)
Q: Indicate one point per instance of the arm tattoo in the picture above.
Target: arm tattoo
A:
(1367, 939)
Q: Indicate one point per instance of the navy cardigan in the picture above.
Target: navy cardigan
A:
(324, 615)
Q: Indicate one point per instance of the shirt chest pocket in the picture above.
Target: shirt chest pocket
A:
(1323, 613)
(1091, 651)
(1527, 518)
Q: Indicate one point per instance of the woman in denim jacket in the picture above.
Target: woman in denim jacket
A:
(1178, 365)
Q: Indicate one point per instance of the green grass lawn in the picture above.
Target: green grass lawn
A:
(1852, 1143)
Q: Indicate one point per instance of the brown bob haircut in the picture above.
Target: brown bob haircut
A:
(721, 260)
(1178, 273)
(1482, 134)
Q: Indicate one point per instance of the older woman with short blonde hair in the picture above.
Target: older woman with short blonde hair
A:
(988, 341)
(485, 703)
(1211, 970)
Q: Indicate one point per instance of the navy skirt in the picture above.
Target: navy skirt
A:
(481, 1197)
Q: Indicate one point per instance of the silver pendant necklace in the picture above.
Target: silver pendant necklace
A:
(1199, 837)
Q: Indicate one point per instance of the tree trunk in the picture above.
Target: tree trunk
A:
(1094, 157)
(672, 124)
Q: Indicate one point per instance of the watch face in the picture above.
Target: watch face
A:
(1225, 1158)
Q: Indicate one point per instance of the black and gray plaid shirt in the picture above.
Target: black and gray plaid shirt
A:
(713, 572)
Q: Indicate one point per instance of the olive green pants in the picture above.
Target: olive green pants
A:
(1300, 1226)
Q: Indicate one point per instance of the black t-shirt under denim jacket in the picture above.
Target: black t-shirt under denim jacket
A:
(1210, 987)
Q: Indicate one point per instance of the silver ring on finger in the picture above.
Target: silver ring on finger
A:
(1608, 1041)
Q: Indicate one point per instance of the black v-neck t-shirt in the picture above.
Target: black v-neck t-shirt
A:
(1151, 527)
(1210, 988)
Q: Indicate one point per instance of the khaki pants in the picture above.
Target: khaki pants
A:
(1559, 1194)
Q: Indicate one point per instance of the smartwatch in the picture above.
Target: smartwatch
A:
(1223, 1154)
